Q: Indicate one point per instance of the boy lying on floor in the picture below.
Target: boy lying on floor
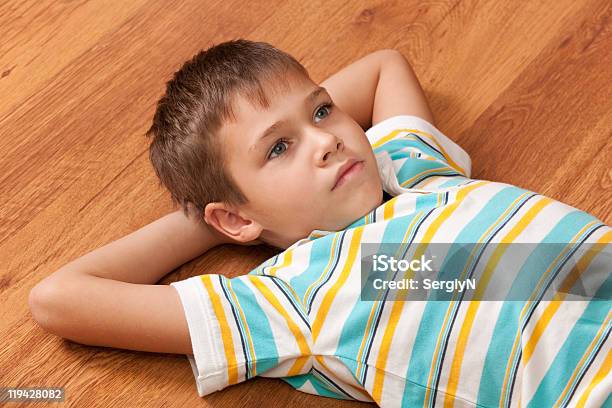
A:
(255, 152)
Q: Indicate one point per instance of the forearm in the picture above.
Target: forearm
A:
(380, 85)
(398, 91)
(353, 88)
(149, 253)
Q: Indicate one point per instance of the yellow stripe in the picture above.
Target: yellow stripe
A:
(246, 326)
(375, 304)
(582, 361)
(385, 345)
(368, 329)
(554, 305)
(298, 366)
(389, 209)
(463, 274)
(423, 173)
(331, 294)
(398, 304)
(388, 137)
(444, 153)
(473, 307)
(601, 374)
(517, 337)
(226, 333)
(461, 194)
(569, 281)
(393, 134)
(293, 327)
(428, 181)
(514, 232)
(287, 259)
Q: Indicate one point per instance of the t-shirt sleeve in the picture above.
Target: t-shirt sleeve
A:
(243, 327)
(418, 149)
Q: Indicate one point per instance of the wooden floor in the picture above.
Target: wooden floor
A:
(523, 87)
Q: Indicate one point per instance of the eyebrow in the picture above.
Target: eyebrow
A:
(273, 128)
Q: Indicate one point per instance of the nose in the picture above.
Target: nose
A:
(329, 144)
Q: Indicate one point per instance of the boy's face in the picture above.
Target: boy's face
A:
(289, 177)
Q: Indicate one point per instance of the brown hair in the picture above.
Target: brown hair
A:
(185, 151)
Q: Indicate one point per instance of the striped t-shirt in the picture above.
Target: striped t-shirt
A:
(300, 315)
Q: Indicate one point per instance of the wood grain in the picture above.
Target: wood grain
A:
(524, 87)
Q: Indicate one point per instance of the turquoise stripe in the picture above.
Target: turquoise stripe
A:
(549, 239)
(414, 395)
(608, 402)
(394, 148)
(393, 233)
(321, 249)
(453, 182)
(266, 353)
(297, 380)
(574, 347)
(320, 387)
(460, 263)
(464, 254)
(355, 326)
(361, 221)
(415, 168)
(326, 388)
(433, 315)
(333, 265)
(298, 306)
(507, 324)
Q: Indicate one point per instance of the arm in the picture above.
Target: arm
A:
(151, 252)
(378, 86)
(108, 298)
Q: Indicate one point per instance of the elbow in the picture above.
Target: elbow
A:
(396, 58)
(384, 55)
(42, 301)
(390, 53)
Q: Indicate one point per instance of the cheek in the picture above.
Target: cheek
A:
(283, 191)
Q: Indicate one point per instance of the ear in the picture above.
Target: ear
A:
(230, 223)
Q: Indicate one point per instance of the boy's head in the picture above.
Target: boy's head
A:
(206, 147)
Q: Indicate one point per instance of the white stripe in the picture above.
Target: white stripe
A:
(207, 361)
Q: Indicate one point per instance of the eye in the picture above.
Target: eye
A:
(279, 142)
(327, 107)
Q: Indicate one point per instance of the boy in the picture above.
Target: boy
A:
(256, 152)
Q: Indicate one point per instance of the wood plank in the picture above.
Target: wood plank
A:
(41, 38)
(550, 130)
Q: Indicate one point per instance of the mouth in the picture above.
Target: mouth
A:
(348, 171)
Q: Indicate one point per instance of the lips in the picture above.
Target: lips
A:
(344, 169)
